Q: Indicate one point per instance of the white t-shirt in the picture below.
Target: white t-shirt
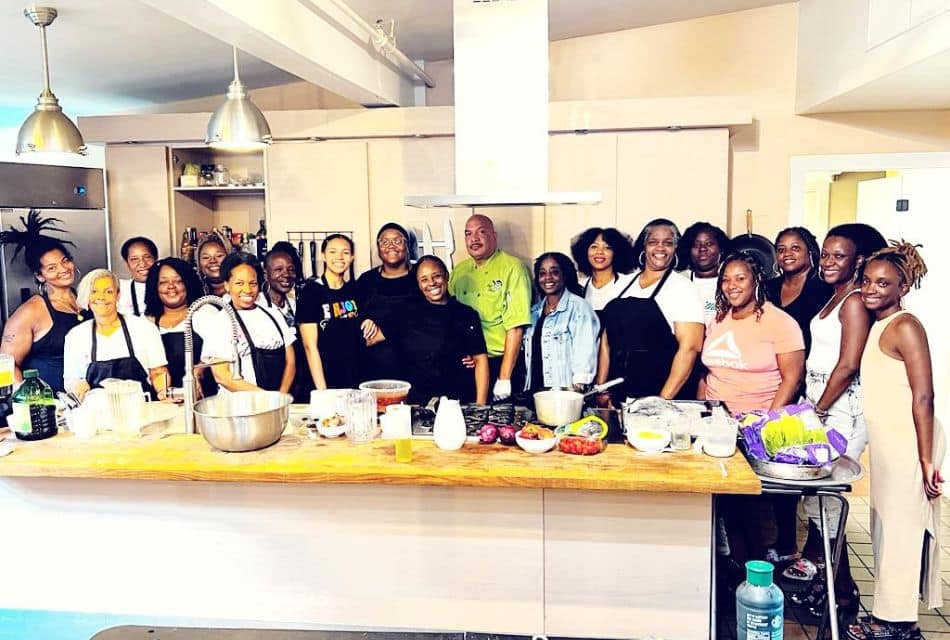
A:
(218, 343)
(199, 322)
(598, 298)
(146, 343)
(124, 304)
(706, 287)
(678, 299)
(288, 312)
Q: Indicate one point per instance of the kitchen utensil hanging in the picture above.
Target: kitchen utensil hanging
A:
(308, 245)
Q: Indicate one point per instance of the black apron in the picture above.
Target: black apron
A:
(174, 343)
(126, 368)
(268, 363)
(642, 347)
(135, 300)
(46, 354)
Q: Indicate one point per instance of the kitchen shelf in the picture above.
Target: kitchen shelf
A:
(222, 191)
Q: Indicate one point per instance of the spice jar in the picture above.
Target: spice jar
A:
(206, 177)
(221, 176)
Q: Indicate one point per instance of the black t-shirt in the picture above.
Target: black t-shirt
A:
(537, 368)
(806, 306)
(383, 301)
(431, 340)
(338, 315)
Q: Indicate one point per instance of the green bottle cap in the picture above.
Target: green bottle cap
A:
(31, 373)
(758, 573)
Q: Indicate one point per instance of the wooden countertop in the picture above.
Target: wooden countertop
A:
(297, 458)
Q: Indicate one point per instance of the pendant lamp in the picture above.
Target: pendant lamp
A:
(238, 125)
(47, 129)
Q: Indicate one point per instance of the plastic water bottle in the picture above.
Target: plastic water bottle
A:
(34, 409)
(759, 604)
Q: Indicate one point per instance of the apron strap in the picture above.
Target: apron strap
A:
(247, 336)
(629, 284)
(661, 283)
(135, 299)
(125, 332)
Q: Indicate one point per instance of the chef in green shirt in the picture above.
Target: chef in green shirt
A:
(498, 286)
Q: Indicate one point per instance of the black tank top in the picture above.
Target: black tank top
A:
(46, 354)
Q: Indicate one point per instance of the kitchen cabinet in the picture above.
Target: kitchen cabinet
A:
(137, 189)
(320, 187)
(240, 207)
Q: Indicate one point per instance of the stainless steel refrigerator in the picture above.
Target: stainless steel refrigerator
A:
(75, 195)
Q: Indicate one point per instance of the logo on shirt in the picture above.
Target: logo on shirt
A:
(338, 309)
(724, 352)
(495, 286)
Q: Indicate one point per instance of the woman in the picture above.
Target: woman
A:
(754, 352)
(839, 333)
(36, 332)
(606, 257)
(907, 448)
(281, 279)
(265, 342)
(111, 345)
(172, 285)
(436, 334)
(653, 331)
(560, 344)
(755, 355)
(799, 291)
(330, 319)
(211, 254)
(701, 251)
(139, 254)
(383, 292)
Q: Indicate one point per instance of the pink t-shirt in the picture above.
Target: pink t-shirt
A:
(741, 358)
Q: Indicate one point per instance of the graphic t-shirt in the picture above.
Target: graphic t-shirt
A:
(741, 356)
(706, 287)
(336, 312)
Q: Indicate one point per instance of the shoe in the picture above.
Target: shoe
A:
(802, 569)
(864, 630)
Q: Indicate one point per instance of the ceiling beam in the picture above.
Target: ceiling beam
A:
(313, 39)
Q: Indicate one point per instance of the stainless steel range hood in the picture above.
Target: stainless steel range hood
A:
(501, 108)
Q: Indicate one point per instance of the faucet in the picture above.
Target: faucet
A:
(188, 381)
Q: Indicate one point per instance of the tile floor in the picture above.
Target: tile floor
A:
(934, 623)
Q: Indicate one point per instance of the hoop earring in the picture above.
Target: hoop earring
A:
(676, 261)
(642, 260)
(758, 291)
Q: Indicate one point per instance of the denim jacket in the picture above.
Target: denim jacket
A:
(570, 338)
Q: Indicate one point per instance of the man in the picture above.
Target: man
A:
(498, 287)
(139, 254)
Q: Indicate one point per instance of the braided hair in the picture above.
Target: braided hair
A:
(32, 240)
(758, 276)
(811, 244)
(906, 259)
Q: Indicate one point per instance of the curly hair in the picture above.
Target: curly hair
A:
(639, 246)
(625, 260)
(906, 259)
(758, 275)
(236, 259)
(568, 272)
(689, 237)
(154, 306)
(811, 244)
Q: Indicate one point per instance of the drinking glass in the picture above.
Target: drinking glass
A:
(679, 431)
(361, 425)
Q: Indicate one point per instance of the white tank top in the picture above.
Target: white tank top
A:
(826, 340)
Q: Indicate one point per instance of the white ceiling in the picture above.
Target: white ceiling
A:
(110, 55)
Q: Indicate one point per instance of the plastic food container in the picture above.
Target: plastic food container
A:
(581, 446)
(387, 392)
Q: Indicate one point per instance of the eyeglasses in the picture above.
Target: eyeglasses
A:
(391, 242)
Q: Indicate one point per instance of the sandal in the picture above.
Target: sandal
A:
(871, 628)
(814, 605)
(802, 569)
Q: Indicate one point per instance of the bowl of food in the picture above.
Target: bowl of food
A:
(535, 439)
(328, 410)
(648, 440)
(581, 445)
(387, 392)
(556, 407)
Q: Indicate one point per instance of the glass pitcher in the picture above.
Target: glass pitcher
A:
(361, 422)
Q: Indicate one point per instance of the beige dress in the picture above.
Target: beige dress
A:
(900, 510)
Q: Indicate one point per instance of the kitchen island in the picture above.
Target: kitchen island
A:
(327, 533)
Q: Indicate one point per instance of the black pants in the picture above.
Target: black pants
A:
(517, 375)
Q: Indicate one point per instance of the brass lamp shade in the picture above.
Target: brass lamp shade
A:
(237, 125)
(48, 130)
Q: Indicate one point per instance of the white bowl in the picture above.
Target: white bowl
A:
(334, 431)
(557, 407)
(535, 446)
(648, 440)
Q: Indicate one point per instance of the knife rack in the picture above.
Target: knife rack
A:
(307, 244)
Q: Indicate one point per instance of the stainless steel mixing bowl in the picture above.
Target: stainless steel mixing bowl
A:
(244, 420)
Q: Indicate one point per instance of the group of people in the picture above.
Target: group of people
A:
(675, 315)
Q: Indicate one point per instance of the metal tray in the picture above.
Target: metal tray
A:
(842, 471)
